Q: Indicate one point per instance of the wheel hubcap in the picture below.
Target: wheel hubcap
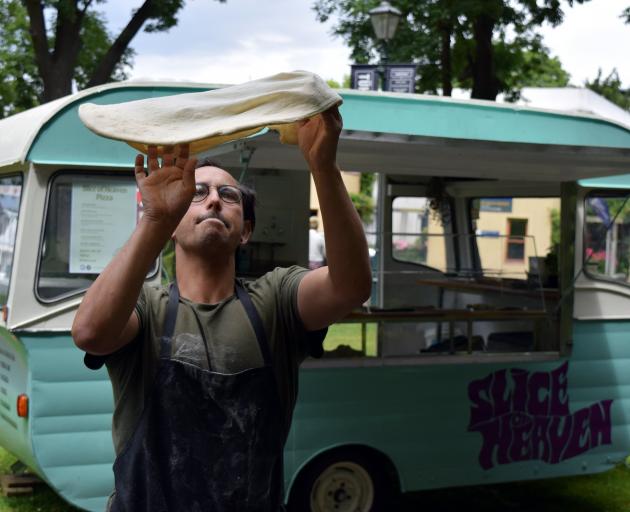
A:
(343, 487)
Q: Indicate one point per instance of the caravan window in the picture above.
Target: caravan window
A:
(607, 236)
(417, 233)
(88, 218)
(10, 193)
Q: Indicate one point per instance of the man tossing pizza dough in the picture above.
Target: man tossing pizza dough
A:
(204, 371)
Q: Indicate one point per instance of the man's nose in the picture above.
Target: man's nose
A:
(213, 197)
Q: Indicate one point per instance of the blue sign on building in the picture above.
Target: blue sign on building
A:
(496, 204)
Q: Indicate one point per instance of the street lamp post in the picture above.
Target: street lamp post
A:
(385, 20)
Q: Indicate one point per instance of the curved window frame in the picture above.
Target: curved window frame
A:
(599, 193)
(79, 291)
(19, 174)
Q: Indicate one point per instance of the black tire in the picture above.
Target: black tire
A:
(345, 480)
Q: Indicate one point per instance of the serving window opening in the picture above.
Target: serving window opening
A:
(490, 287)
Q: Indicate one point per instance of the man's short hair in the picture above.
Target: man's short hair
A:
(249, 194)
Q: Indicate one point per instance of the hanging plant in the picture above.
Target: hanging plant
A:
(439, 201)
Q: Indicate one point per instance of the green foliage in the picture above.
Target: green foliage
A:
(168, 263)
(20, 85)
(611, 88)
(336, 85)
(96, 40)
(552, 260)
(533, 68)
(163, 15)
(364, 205)
(366, 185)
(626, 14)
(31, 73)
(43, 498)
(555, 228)
(447, 39)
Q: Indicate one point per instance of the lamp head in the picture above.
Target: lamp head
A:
(385, 19)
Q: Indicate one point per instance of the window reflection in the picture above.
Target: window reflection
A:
(10, 192)
(607, 237)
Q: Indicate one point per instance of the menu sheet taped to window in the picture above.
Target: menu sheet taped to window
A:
(103, 216)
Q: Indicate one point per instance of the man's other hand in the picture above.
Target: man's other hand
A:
(166, 190)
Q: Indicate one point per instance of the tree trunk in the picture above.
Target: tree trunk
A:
(57, 68)
(484, 79)
(105, 68)
(446, 30)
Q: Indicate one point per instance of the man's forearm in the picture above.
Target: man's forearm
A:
(110, 301)
(346, 246)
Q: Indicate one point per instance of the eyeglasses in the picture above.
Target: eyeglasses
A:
(227, 193)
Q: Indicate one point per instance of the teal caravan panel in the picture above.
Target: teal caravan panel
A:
(439, 440)
(71, 418)
(14, 380)
(622, 181)
(65, 140)
(475, 120)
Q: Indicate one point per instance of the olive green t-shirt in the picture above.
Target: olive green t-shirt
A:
(232, 344)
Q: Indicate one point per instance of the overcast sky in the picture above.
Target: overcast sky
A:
(247, 39)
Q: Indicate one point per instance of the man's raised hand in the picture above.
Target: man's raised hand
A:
(166, 190)
(318, 138)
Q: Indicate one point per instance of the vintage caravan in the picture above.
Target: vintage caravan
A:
(496, 345)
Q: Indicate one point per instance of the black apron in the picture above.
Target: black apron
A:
(205, 441)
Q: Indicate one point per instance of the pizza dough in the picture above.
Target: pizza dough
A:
(207, 119)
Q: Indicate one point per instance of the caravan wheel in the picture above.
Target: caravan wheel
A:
(341, 482)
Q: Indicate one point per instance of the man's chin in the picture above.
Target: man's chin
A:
(213, 241)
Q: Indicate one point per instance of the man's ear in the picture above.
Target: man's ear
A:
(247, 232)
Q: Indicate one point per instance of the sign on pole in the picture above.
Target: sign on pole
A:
(400, 78)
(364, 77)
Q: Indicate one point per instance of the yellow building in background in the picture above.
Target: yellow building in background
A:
(509, 232)
(352, 181)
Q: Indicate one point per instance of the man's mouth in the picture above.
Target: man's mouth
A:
(214, 216)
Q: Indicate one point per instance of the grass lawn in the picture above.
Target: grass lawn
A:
(605, 492)
(42, 500)
(349, 335)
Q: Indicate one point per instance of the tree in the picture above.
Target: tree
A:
(532, 68)
(462, 43)
(345, 83)
(20, 86)
(68, 41)
(611, 89)
(626, 14)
